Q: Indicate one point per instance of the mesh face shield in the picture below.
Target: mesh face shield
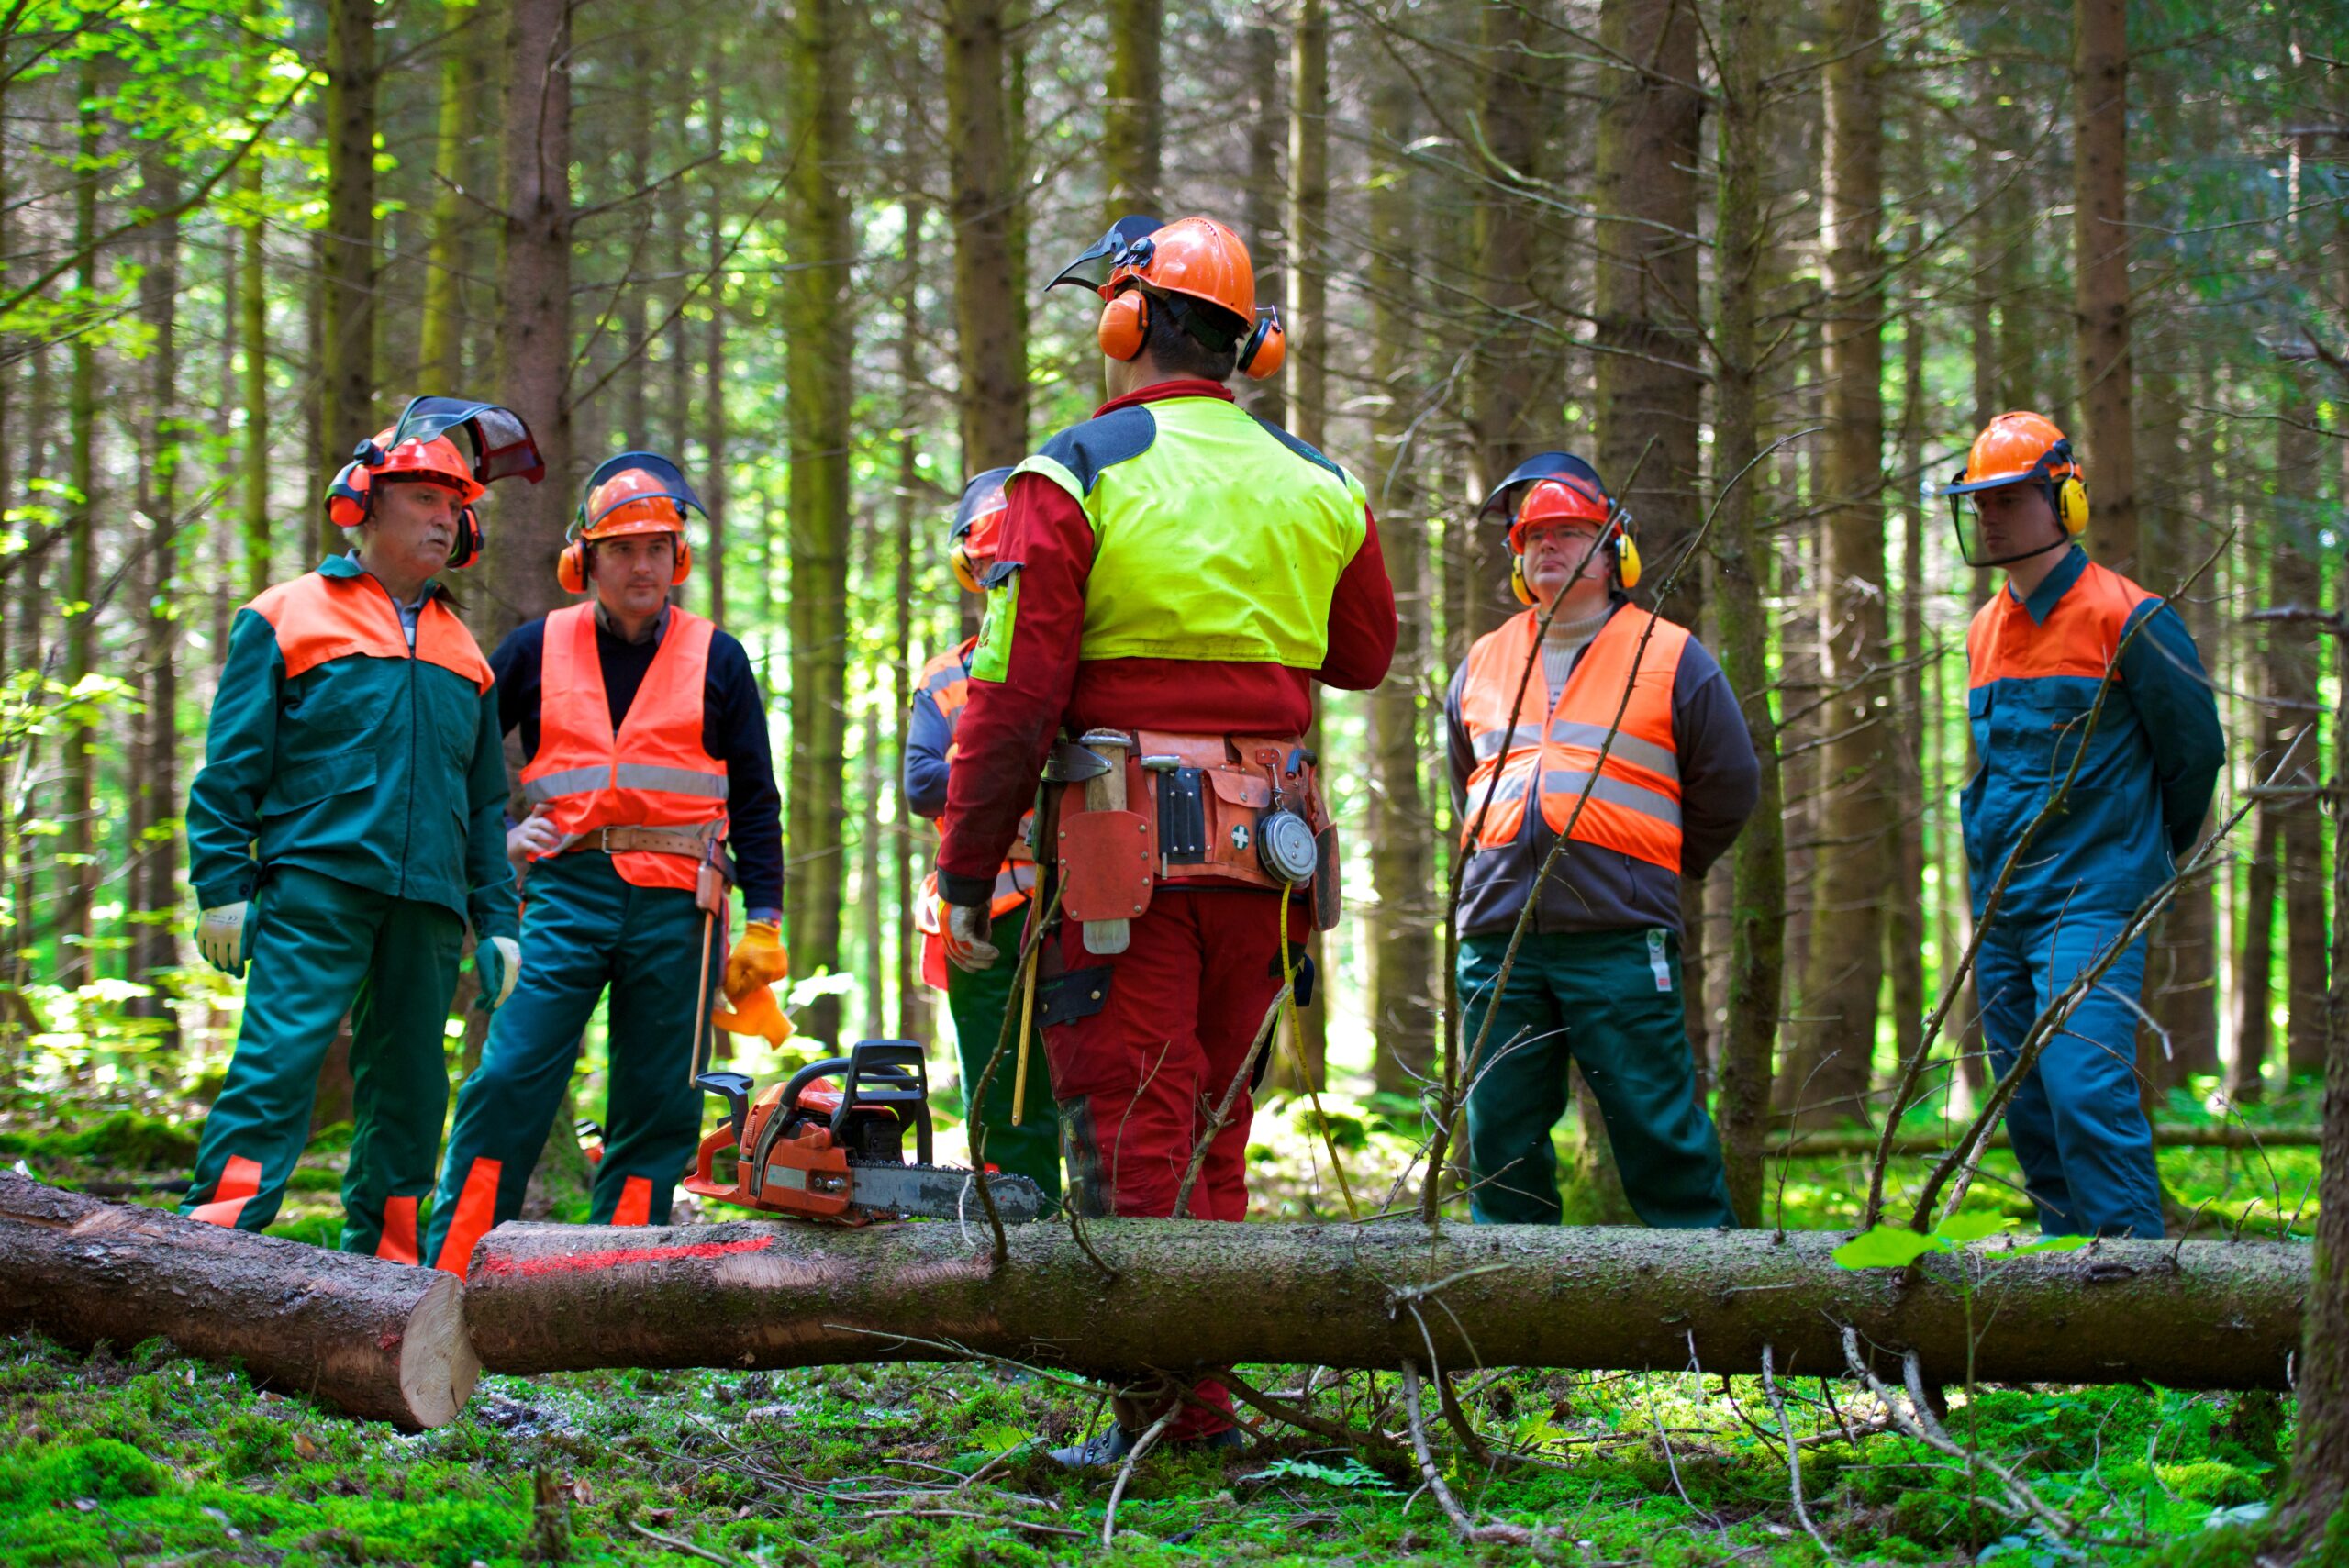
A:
(2001, 547)
(494, 441)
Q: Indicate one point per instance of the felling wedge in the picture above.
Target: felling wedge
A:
(809, 1150)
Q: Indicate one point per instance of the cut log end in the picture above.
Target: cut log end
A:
(437, 1367)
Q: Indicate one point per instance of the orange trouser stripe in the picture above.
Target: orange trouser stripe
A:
(239, 1181)
(477, 1212)
(635, 1206)
(398, 1240)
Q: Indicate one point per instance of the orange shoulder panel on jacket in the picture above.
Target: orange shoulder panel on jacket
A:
(442, 638)
(2079, 637)
(321, 618)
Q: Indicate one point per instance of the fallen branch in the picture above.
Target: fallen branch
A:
(1433, 1477)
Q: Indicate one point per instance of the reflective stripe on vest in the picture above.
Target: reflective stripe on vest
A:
(654, 773)
(1261, 532)
(1631, 801)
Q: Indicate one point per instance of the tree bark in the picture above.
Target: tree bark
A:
(713, 364)
(1511, 372)
(534, 288)
(154, 846)
(819, 374)
(1261, 203)
(1133, 117)
(1826, 1077)
(1188, 1295)
(1740, 550)
(910, 838)
(2255, 951)
(77, 871)
(1904, 926)
(347, 243)
(252, 313)
(442, 350)
(380, 1340)
(2224, 1135)
(2293, 662)
(2100, 269)
(1402, 859)
(990, 342)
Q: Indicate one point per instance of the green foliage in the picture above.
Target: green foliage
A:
(1896, 1245)
(1352, 1475)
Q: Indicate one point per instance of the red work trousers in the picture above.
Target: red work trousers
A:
(1143, 1046)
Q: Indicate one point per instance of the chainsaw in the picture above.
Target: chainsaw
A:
(811, 1150)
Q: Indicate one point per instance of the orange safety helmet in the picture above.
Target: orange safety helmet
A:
(635, 492)
(978, 528)
(1560, 487)
(1191, 263)
(430, 444)
(2020, 448)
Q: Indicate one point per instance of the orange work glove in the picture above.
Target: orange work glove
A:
(754, 1012)
(756, 961)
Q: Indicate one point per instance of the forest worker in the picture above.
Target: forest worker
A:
(2135, 778)
(978, 999)
(647, 762)
(349, 822)
(1596, 981)
(1174, 576)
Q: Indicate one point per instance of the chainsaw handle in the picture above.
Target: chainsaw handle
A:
(892, 1073)
(734, 1088)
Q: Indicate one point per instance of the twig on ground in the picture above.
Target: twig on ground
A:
(687, 1547)
(1794, 1455)
(1126, 1471)
(1305, 1420)
(973, 1514)
(1918, 1422)
(1514, 1535)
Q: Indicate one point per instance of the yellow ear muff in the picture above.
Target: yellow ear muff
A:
(2071, 505)
(1627, 559)
(964, 573)
(1517, 584)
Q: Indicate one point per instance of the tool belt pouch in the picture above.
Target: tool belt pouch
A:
(1200, 809)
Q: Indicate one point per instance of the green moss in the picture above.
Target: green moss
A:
(101, 1470)
(2212, 1482)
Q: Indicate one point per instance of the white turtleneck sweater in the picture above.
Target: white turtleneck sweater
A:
(1563, 641)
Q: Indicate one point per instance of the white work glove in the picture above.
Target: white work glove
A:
(967, 933)
(534, 835)
(498, 963)
(221, 938)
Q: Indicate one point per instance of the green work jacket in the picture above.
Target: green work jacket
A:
(337, 746)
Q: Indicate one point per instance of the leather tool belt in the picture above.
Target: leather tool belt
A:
(706, 845)
(1135, 809)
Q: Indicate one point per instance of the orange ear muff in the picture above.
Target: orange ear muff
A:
(347, 496)
(964, 572)
(1267, 346)
(570, 568)
(1125, 323)
(685, 567)
(1517, 583)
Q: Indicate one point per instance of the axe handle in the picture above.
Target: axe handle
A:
(1027, 1034)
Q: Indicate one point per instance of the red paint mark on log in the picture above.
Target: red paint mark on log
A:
(616, 1257)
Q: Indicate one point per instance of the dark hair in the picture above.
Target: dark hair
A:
(1176, 338)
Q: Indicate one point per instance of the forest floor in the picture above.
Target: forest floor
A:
(135, 1456)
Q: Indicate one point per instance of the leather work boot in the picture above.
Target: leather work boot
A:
(1112, 1443)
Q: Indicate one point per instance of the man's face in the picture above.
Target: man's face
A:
(1555, 549)
(632, 573)
(2014, 520)
(412, 526)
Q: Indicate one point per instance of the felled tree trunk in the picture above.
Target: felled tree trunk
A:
(378, 1340)
(2224, 1135)
(2192, 1314)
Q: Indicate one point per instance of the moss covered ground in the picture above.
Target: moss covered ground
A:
(133, 1455)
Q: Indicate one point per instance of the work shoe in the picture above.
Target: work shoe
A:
(1112, 1443)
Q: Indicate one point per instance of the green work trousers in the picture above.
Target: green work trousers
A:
(1609, 1002)
(583, 928)
(978, 1003)
(318, 948)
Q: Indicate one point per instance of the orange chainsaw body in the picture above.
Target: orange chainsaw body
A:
(805, 1174)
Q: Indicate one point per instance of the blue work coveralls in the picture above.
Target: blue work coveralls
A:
(2146, 766)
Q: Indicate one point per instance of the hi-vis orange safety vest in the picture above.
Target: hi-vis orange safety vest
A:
(1634, 804)
(654, 773)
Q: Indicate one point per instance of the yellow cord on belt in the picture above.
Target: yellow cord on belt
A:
(1296, 1055)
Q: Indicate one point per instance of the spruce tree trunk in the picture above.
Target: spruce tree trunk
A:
(347, 412)
(77, 871)
(713, 363)
(2293, 662)
(1740, 553)
(2100, 270)
(2190, 1314)
(910, 840)
(2255, 945)
(1402, 861)
(819, 313)
(534, 290)
(1133, 118)
(155, 847)
(253, 316)
(990, 342)
(1854, 866)
(1262, 202)
(442, 350)
(1904, 945)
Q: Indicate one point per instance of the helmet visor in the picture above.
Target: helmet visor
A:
(494, 441)
(983, 493)
(1999, 544)
(673, 486)
(1092, 269)
(1501, 504)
